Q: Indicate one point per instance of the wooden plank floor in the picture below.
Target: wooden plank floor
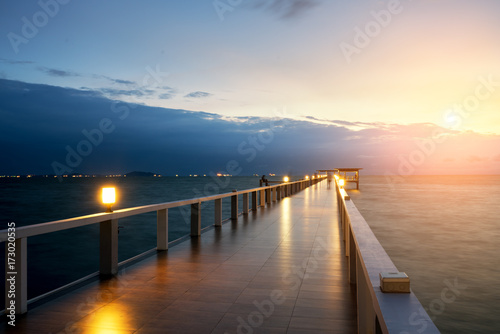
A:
(278, 270)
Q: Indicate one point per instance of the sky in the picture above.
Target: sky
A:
(396, 87)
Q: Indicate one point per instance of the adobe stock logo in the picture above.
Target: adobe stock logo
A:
(221, 7)
(31, 26)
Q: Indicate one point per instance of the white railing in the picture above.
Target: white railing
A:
(378, 312)
(108, 258)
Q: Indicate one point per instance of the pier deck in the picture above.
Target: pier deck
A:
(281, 269)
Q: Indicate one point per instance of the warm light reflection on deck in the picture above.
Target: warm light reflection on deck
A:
(113, 318)
(286, 214)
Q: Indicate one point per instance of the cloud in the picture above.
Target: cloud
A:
(165, 96)
(16, 62)
(124, 92)
(58, 73)
(286, 9)
(120, 81)
(198, 95)
(169, 93)
(40, 122)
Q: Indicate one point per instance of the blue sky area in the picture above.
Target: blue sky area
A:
(395, 87)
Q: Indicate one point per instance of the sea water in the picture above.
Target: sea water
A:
(444, 232)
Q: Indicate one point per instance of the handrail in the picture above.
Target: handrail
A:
(378, 312)
(64, 224)
(17, 240)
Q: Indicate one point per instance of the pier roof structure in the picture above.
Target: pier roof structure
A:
(280, 269)
(348, 174)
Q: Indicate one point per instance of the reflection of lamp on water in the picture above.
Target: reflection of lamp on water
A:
(341, 183)
(286, 179)
(108, 197)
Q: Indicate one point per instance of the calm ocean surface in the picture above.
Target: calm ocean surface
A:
(444, 232)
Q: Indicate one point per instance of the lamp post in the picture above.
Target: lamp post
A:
(108, 197)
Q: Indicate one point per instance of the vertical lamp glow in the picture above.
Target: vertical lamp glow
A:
(109, 197)
(341, 183)
(286, 179)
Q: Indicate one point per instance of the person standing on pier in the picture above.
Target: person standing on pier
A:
(329, 177)
(264, 181)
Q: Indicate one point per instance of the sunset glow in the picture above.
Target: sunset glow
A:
(379, 75)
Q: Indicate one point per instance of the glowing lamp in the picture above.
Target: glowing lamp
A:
(286, 179)
(336, 177)
(307, 177)
(341, 183)
(108, 197)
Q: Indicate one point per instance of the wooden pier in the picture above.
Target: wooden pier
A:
(280, 269)
(298, 259)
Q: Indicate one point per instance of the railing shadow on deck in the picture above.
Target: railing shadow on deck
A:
(378, 312)
(16, 240)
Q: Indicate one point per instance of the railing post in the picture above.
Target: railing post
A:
(218, 212)
(278, 193)
(254, 200)
(162, 229)
(16, 276)
(245, 204)
(108, 259)
(366, 312)
(234, 206)
(268, 195)
(196, 219)
(262, 197)
(352, 256)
